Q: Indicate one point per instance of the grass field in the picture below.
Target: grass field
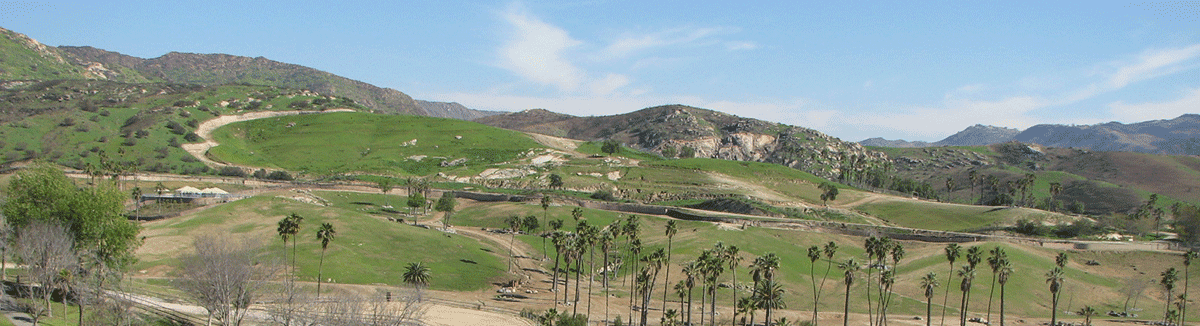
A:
(360, 142)
(368, 249)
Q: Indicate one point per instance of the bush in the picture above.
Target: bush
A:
(191, 137)
(189, 159)
(1031, 228)
(67, 122)
(279, 175)
(129, 142)
(260, 174)
(141, 133)
(604, 195)
(232, 171)
(300, 104)
(176, 128)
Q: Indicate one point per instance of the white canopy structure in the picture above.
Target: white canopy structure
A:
(213, 192)
(187, 190)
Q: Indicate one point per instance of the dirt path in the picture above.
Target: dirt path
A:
(207, 127)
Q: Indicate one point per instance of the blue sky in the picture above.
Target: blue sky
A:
(917, 71)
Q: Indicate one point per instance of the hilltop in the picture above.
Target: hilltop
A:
(684, 131)
(1179, 136)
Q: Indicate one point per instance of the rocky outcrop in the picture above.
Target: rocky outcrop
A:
(710, 134)
(452, 110)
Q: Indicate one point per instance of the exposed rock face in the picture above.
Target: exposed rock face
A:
(711, 134)
(452, 110)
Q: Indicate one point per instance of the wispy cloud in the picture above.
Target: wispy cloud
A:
(537, 52)
(1189, 102)
(1155, 63)
(741, 45)
(631, 44)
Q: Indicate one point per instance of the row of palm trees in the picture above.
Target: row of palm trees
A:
(621, 250)
(289, 227)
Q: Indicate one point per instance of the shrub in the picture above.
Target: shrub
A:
(105, 113)
(141, 133)
(1028, 227)
(95, 118)
(191, 137)
(604, 195)
(279, 175)
(129, 142)
(232, 171)
(176, 128)
(193, 123)
(300, 104)
(67, 122)
(189, 159)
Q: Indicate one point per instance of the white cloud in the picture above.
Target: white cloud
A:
(632, 44)
(1155, 63)
(741, 45)
(609, 84)
(1188, 103)
(537, 52)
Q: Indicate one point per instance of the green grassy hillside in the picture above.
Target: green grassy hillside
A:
(137, 126)
(368, 249)
(336, 143)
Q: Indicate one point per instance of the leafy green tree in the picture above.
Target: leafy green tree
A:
(929, 282)
(556, 181)
(94, 215)
(829, 192)
(415, 200)
(446, 205)
(325, 234)
(417, 275)
(687, 152)
(610, 147)
(669, 152)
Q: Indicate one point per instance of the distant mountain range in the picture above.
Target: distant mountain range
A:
(27, 58)
(1179, 136)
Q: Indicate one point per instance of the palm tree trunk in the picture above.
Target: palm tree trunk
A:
(1054, 309)
(667, 276)
(703, 302)
(946, 298)
(578, 268)
(591, 277)
(1183, 312)
(320, 270)
(928, 311)
(870, 309)
(846, 307)
(1001, 305)
(689, 307)
(991, 294)
(712, 320)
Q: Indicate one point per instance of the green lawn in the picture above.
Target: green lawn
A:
(335, 143)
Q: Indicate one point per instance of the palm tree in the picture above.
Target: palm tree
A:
(589, 236)
(890, 280)
(952, 251)
(681, 291)
(770, 297)
(1187, 262)
(606, 241)
(874, 248)
(830, 249)
(670, 231)
(288, 228)
(545, 219)
(417, 275)
(635, 252)
(325, 234)
(994, 260)
(690, 272)
(514, 226)
(1087, 312)
(654, 261)
(1006, 270)
(730, 256)
(929, 282)
(967, 273)
(137, 203)
(559, 239)
(1055, 278)
(746, 306)
(814, 254)
(849, 269)
(1168, 282)
(764, 271)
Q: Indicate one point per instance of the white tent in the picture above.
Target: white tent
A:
(187, 190)
(213, 192)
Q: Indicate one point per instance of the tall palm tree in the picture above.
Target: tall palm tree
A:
(417, 275)
(814, 254)
(1187, 263)
(681, 291)
(1055, 278)
(764, 268)
(746, 306)
(730, 256)
(873, 246)
(997, 255)
(830, 249)
(654, 263)
(606, 241)
(929, 282)
(545, 219)
(849, 269)
(1006, 270)
(579, 245)
(560, 241)
(514, 226)
(690, 273)
(325, 234)
(953, 251)
(591, 235)
(1168, 282)
(897, 254)
(670, 231)
(287, 228)
(635, 253)
(967, 273)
